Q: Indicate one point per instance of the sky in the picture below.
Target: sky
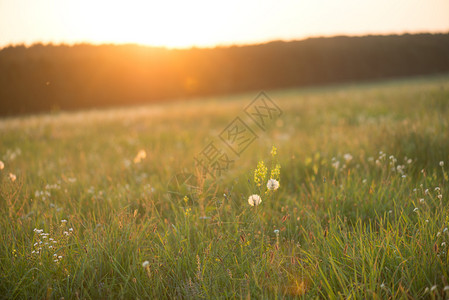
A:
(209, 23)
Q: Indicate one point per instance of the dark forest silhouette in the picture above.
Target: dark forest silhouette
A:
(47, 77)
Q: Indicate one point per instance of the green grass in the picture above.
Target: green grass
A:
(356, 230)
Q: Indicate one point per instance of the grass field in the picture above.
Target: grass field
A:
(110, 204)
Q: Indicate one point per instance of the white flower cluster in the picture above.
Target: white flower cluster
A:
(46, 243)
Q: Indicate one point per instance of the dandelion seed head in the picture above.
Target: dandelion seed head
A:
(441, 163)
(145, 264)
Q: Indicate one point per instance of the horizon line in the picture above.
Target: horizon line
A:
(224, 45)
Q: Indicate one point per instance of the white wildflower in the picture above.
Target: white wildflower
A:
(441, 163)
(272, 184)
(347, 157)
(12, 177)
(433, 288)
(145, 264)
(254, 200)
(141, 155)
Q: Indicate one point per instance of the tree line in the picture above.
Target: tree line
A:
(47, 77)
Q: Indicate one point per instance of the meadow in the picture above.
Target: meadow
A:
(111, 204)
